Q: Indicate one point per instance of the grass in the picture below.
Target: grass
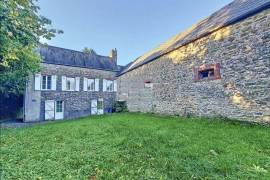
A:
(136, 146)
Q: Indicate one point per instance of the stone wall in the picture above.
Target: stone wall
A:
(76, 103)
(243, 92)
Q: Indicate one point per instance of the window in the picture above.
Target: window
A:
(46, 82)
(100, 104)
(70, 84)
(109, 86)
(148, 84)
(207, 72)
(90, 85)
(59, 106)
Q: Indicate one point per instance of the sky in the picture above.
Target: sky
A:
(133, 27)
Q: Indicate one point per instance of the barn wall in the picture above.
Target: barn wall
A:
(243, 92)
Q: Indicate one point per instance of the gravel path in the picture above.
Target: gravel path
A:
(19, 123)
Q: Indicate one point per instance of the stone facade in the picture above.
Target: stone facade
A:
(76, 103)
(166, 85)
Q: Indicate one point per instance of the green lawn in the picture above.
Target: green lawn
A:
(136, 146)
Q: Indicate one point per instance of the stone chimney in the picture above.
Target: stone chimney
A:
(113, 55)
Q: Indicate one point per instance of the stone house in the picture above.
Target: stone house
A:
(218, 67)
(71, 84)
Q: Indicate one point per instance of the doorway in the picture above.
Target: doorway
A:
(54, 110)
(97, 106)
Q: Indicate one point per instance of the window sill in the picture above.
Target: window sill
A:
(70, 91)
(46, 90)
(208, 79)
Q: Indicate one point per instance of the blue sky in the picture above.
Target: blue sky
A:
(131, 26)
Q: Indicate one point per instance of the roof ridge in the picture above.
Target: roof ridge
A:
(47, 45)
(69, 57)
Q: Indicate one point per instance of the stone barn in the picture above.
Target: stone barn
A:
(218, 67)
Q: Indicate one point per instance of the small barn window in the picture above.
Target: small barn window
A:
(207, 72)
(148, 84)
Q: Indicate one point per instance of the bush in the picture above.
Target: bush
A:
(120, 106)
(10, 106)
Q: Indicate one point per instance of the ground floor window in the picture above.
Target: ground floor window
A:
(97, 106)
(54, 110)
(100, 104)
(59, 106)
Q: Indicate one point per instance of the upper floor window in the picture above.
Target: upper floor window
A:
(207, 72)
(109, 85)
(91, 84)
(46, 83)
(70, 84)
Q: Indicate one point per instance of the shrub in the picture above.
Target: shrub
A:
(10, 106)
(120, 106)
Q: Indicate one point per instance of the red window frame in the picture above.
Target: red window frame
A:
(147, 82)
(206, 67)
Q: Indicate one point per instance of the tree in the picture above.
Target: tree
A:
(21, 28)
(88, 51)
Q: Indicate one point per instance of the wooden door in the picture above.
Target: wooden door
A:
(49, 110)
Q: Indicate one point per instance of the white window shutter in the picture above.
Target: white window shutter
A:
(85, 80)
(97, 85)
(115, 86)
(37, 82)
(64, 83)
(104, 85)
(77, 81)
(54, 80)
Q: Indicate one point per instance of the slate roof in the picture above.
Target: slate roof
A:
(232, 13)
(61, 56)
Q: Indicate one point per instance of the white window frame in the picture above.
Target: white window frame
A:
(59, 114)
(100, 109)
(115, 85)
(72, 86)
(91, 82)
(109, 86)
(46, 82)
(57, 103)
(90, 85)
